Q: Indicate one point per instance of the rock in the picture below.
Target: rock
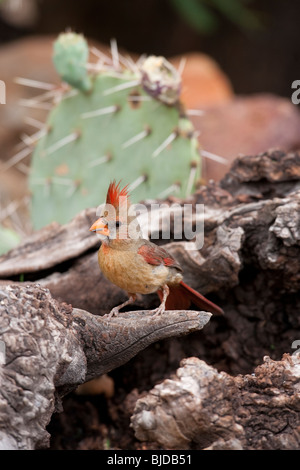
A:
(28, 58)
(247, 125)
(204, 83)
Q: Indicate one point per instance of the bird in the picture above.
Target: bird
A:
(136, 264)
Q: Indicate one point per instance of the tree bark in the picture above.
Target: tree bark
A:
(249, 265)
(201, 408)
(49, 348)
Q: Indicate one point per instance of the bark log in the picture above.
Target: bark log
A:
(48, 348)
(201, 408)
(249, 265)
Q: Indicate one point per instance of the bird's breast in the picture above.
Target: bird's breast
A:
(128, 270)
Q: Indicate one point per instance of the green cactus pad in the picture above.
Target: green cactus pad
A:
(70, 58)
(8, 239)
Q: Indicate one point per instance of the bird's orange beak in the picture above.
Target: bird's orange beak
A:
(100, 226)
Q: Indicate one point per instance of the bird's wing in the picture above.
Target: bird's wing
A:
(156, 255)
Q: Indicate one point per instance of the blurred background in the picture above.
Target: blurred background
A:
(256, 42)
(242, 57)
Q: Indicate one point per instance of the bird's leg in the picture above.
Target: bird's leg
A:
(115, 310)
(162, 306)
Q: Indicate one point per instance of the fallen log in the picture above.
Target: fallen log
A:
(50, 348)
(249, 265)
(201, 408)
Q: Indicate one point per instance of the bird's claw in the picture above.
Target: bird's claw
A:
(158, 311)
(113, 312)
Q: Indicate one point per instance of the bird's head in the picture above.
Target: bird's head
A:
(114, 222)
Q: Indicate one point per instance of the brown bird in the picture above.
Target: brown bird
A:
(137, 265)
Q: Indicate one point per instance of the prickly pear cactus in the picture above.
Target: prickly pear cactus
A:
(120, 122)
(70, 57)
(8, 239)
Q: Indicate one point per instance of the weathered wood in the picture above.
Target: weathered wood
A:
(207, 409)
(50, 246)
(249, 265)
(50, 348)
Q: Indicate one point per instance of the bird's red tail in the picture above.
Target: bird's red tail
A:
(181, 297)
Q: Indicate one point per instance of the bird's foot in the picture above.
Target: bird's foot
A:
(113, 313)
(158, 311)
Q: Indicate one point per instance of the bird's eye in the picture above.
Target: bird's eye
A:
(118, 223)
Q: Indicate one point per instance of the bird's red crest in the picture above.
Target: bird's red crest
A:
(115, 194)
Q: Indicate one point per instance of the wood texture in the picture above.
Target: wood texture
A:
(226, 395)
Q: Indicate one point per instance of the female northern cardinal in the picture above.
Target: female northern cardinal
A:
(138, 265)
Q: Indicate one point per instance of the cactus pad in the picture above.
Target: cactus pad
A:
(117, 130)
(70, 56)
